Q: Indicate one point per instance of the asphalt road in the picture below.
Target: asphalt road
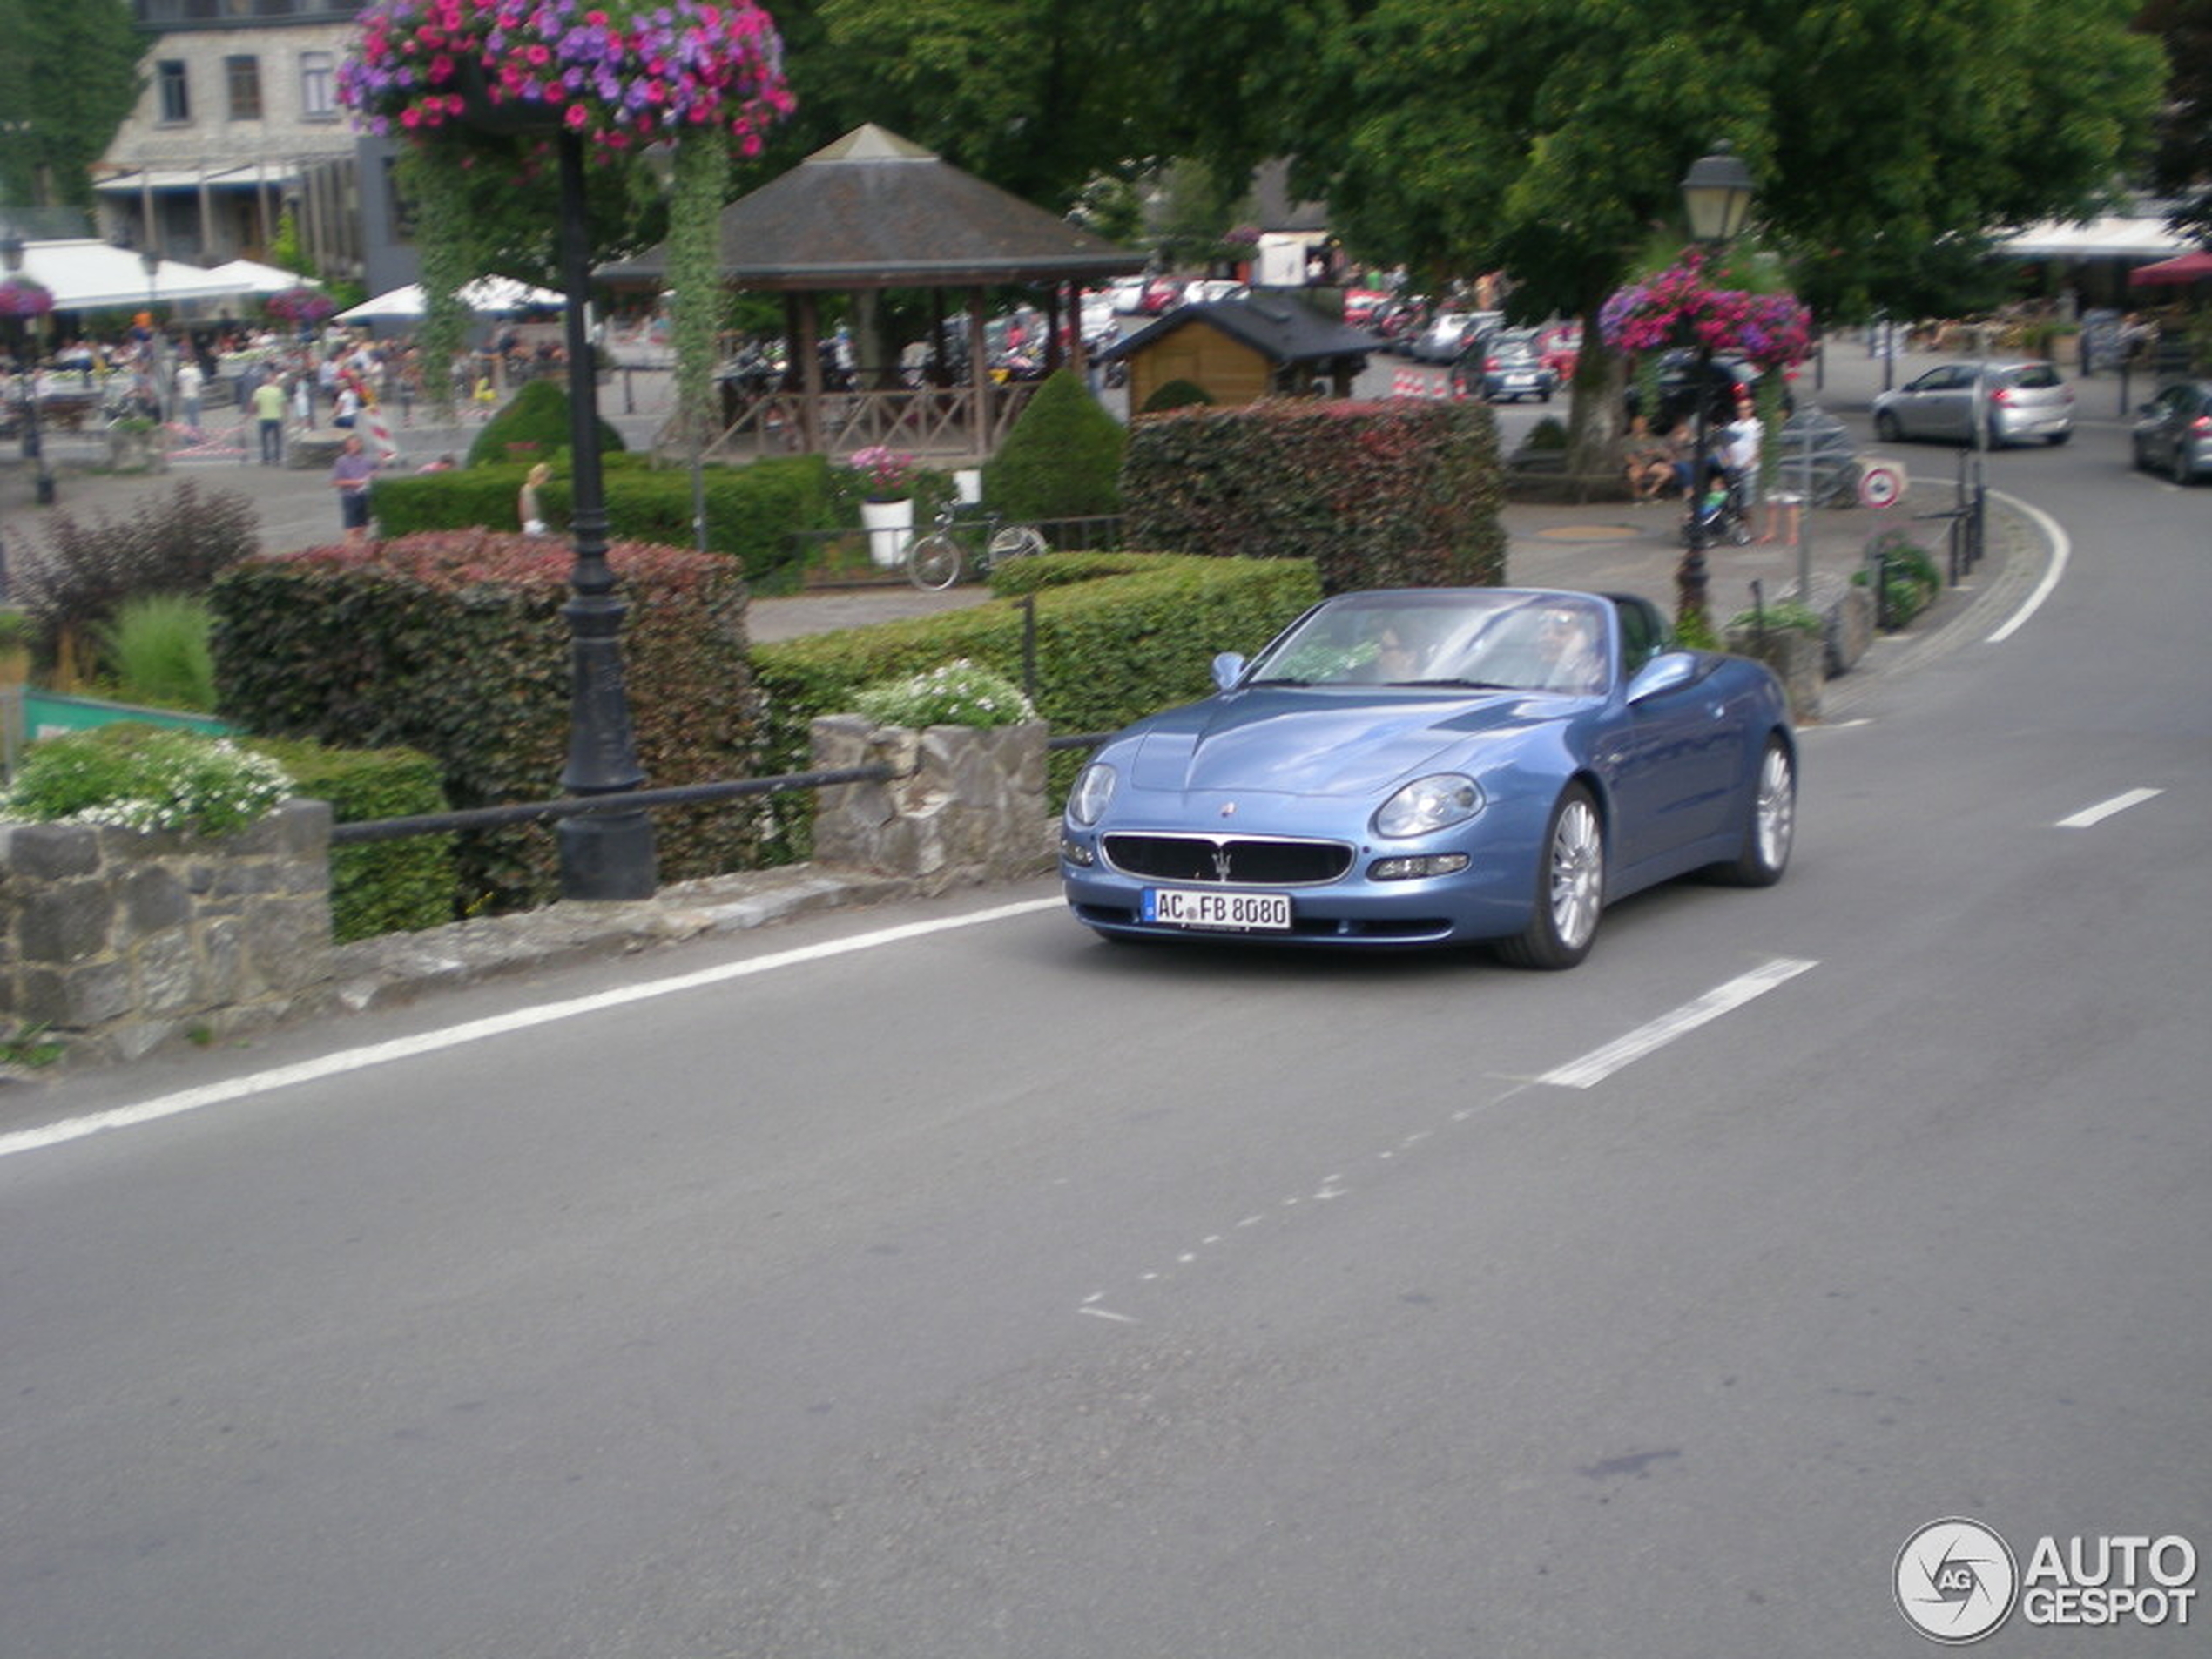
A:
(939, 1281)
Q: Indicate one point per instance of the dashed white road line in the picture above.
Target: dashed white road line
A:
(1596, 1066)
(2104, 809)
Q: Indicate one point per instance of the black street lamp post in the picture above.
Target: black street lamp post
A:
(603, 855)
(1716, 198)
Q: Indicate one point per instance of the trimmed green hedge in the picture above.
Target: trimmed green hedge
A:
(384, 887)
(1118, 636)
(1404, 493)
(751, 511)
(455, 645)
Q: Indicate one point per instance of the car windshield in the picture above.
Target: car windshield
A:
(1502, 639)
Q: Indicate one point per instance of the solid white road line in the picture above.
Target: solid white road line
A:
(377, 1054)
(2061, 550)
(1596, 1066)
(2105, 809)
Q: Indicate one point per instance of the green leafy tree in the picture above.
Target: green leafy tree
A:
(1547, 139)
(68, 78)
(2183, 165)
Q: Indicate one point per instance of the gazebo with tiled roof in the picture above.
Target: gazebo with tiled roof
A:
(871, 211)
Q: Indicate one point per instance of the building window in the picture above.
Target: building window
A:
(318, 86)
(176, 97)
(243, 75)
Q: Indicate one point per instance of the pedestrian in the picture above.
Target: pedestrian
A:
(528, 507)
(269, 403)
(192, 380)
(350, 476)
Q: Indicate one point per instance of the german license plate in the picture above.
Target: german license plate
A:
(1265, 912)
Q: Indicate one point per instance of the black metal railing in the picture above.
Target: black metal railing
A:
(482, 817)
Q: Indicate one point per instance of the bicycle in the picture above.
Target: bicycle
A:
(934, 559)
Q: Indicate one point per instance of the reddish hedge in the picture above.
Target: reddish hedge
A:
(1398, 494)
(454, 642)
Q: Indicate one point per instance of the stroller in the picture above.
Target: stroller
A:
(1720, 514)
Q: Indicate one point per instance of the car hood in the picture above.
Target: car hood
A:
(1296, 741)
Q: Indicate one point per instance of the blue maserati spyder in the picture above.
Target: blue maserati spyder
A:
(1437, 766)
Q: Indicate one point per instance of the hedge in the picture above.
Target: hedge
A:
(384, 887)
(751, 511)
(1118, 636)
(1404, 493)
(454, 643)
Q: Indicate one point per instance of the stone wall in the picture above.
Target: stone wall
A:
(961, 806)
(118, 940)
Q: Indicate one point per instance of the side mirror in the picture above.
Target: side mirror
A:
(1669, 672)
(1228, 669)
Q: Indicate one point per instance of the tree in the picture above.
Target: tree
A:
(69, 77)
(1546, 137)
(2182, 166)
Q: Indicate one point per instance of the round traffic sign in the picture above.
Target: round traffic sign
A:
(1880, 485)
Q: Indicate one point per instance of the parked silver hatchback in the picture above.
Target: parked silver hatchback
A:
(2025, 400)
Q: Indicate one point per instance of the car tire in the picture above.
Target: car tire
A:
(1770, 823)
(2057, 438)
(1570, 888)
(1887, 429)
(2184, 474)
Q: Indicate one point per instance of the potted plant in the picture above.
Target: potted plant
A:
(886, 478)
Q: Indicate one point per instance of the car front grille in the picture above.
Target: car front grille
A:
(1233, 860)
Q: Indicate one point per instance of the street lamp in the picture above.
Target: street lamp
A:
(610, 855)
(34, 448)
(603, 855)
(1716, 198)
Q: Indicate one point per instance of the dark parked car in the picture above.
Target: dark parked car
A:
(1506, 367)
(1726, 379)
(2174, 432)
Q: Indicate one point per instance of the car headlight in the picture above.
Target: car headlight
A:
(1435, 802)
(1094, 788)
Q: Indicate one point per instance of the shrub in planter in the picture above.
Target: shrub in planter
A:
(1062, 460)
(145, 777)
(1910, 579)
(958, 693)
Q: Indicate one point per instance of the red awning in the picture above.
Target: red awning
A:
(2183, 267)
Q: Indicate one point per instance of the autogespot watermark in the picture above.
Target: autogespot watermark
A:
(1956, 1581)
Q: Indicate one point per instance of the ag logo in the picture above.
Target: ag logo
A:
(1956, 1581)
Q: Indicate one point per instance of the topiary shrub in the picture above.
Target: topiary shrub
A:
(1177, 395)
(1403, 493)
(1062, 460)
(533, 427)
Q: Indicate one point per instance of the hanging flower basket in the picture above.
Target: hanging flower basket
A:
(1678, 308)
(21, 297)
(623, 74)
(300, 304)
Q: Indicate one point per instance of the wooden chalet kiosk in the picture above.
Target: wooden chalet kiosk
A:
(874, 211)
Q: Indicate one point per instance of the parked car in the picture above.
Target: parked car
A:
(1361, 303)
(1505, 367)
(2025, 399)
(2174, 431)
(1727, 379)
(1127, 294)
(1436, 767)
(1450, 333)
(1206, 290)
(1561, 346)
(1161, 295)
